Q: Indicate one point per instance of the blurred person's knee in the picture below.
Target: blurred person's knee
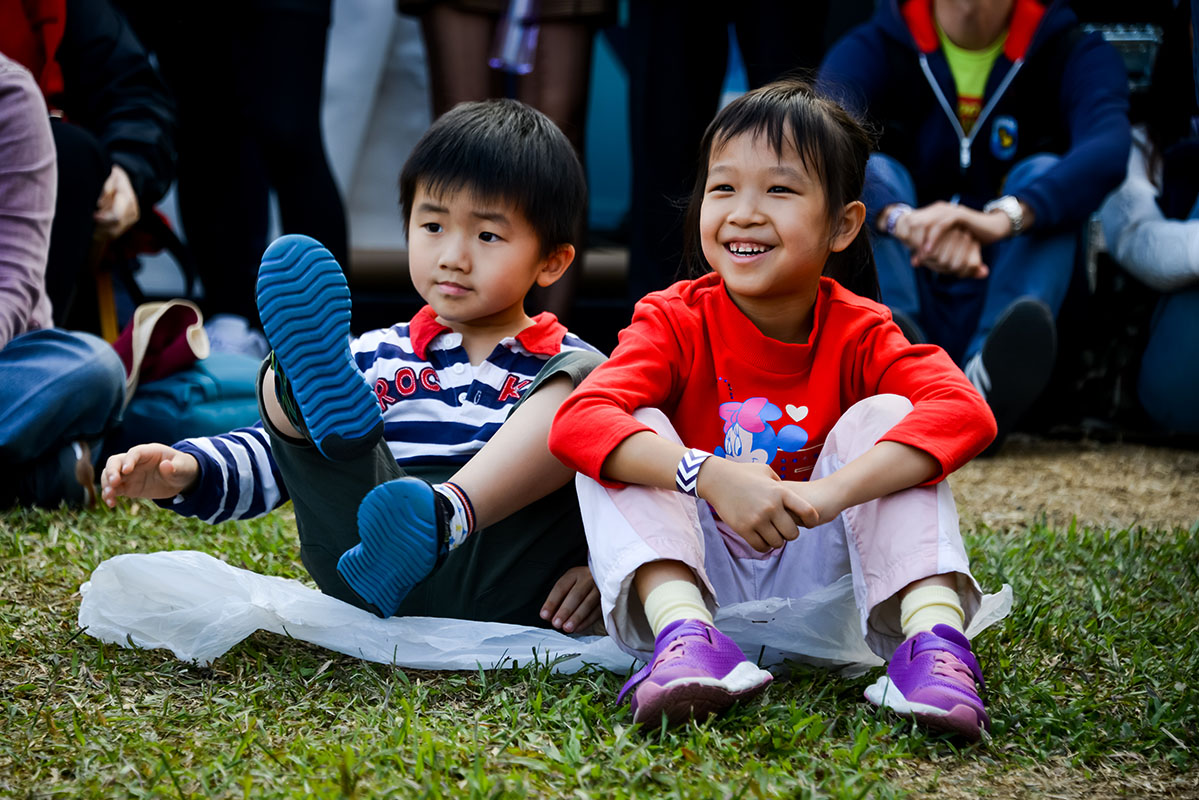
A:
(103, 368)
(1169, 378)
(887, 181)
(83, 166)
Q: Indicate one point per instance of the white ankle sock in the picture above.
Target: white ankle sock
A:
(462, 523)
(673, 601)
(926, 606)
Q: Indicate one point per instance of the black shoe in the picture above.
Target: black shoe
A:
(1015, 364)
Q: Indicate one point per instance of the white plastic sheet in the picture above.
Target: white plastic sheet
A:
(199, 607)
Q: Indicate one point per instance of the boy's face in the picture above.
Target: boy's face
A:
(474, 260)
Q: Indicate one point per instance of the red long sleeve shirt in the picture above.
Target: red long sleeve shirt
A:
(731, 390)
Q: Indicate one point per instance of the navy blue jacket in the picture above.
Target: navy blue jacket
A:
(1054, 89)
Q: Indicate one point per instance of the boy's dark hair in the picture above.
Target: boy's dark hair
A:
(502, 150)
(833, 147)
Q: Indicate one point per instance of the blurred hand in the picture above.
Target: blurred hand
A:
(948, 237)
(573, 605)
(987, 228)
(117, 209)
(956, 253)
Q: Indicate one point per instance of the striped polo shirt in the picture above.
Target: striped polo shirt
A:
(438, 408)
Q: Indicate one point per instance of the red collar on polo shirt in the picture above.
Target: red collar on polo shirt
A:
(543, 337)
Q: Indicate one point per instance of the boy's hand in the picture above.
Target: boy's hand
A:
(574, 602)
(758, 505)
(148, 470)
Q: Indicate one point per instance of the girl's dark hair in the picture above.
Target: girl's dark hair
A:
(833, 147)
(502, 150)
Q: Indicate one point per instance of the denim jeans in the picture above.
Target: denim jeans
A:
(958, 313)
(56, 387)
(1169, 381)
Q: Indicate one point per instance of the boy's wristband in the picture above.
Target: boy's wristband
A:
(686, 477)
(897, 210)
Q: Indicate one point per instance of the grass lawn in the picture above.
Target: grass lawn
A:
(1093, 686)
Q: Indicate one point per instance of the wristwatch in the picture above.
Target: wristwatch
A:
(1010, 206)
(897, 210)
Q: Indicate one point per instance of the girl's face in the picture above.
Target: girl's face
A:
(764, 225)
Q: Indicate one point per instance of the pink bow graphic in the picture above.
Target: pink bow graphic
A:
(748, 414)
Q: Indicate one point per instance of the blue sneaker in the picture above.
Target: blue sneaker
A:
(403, 528)
(304, 304)
(696, 671)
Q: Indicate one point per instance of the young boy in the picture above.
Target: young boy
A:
(415, 456)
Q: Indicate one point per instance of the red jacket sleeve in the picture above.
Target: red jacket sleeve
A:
(644, 371)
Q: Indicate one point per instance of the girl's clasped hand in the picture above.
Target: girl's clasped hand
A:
(760, 506)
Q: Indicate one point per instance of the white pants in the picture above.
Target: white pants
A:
(885, 543)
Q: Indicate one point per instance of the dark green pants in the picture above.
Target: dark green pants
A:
(502, 573)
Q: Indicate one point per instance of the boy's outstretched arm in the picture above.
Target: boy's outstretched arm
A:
(515, 468)
(155, 471)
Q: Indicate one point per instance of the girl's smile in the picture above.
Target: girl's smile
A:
(747, 251)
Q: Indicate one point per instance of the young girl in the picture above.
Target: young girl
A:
(831, 435)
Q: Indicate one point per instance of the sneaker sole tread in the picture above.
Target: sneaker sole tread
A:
(304, 304)
(397, 526)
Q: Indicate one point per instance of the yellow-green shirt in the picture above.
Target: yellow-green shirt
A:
(970, 69)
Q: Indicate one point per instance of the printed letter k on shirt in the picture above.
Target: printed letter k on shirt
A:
(513, 387)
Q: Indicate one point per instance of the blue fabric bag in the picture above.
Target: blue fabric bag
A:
(213, 396)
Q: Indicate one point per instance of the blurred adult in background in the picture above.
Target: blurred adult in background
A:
(248, 78)
(1003, 126)
(552, 73)
(678, 54)
(1151, 224)
(60, 390)
(461, 40)
(113, 125)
